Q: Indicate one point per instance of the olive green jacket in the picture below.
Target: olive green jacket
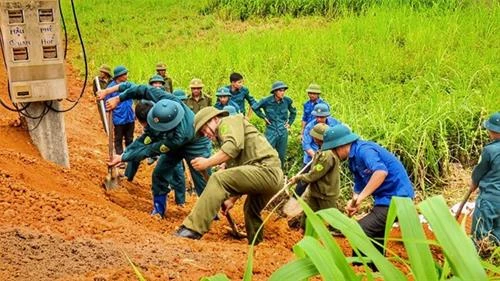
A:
(324, 176)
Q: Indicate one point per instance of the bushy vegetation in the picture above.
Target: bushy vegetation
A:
(419, 81)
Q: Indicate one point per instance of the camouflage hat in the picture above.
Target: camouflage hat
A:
(336, 136)
(205, 115)
(156, 78)
(318, 131)
(165, 115)
(119, 71)
(493, 123)
(180, 94)
(106, 69)
(321, 110)
(223, 92)
(313, 88)
(161, 66)
(196, 83)
(278, 85)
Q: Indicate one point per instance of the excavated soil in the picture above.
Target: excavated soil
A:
(60, 224)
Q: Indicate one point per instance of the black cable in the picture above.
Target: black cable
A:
(64, 28)
(84, 59)
(42, 115)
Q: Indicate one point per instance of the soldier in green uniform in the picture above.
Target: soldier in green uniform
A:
(161, 69)
(197, 100)
(323, 178)
(252, 169)
(279, 114)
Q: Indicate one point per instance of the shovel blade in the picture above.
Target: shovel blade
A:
(111, 181)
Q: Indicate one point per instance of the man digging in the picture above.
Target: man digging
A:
(253, 168)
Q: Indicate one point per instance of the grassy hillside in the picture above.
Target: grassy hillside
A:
(418, 81)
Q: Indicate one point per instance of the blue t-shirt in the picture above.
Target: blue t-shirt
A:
(308, 109)
(308, 141)
(366, 157)
(123, 113)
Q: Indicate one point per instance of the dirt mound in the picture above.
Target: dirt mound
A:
(60, 224)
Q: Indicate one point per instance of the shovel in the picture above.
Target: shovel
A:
(102, 108)
(464, 200)
(112, 180)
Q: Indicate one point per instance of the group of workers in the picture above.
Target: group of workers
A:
(178, 127)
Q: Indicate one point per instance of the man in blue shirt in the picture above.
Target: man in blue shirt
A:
(279, 114)
(313, 91)
(321, 114)
(486, 176)
(172, 137)
(224, 99)
(376, 172)
(123, 114)
(240, 93)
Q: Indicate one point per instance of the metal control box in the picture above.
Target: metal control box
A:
(32, 50)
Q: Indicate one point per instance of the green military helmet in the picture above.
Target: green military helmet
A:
(336, 136)
(231, 109)
(205, 115)
(161, 66)
(493, 123)
(156, 78)
(196, 83)
(165, 115)
(321, 110)
(106, 69)
(119, 71)
(314, 89)
(278, 85)
(318, 131)
(223, 92)
(180, 94)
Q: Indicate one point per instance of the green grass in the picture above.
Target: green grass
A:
(418, 81)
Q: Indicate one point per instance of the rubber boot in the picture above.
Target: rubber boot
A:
(159, 205)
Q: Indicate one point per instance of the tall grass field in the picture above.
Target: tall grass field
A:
(418, 77)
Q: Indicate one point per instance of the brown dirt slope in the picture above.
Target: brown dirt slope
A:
(60, 224)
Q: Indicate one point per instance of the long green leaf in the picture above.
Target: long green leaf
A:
(136, 270)
(358, 239)
(340, 263)
(299, 269)
(414, 239)
(320, 257)
(457, 247)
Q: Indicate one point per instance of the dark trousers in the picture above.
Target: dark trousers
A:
(125, 133)
(373, 225)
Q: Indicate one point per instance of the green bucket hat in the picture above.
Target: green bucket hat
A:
(321, 110)
(313, 88)
(223, 92)
(119, 71)
(493, 123)
(165, 115)
(156, 78)
(278, 85)
(205, 115)
(336, 136)
(196, 83)
(106, 69)
(161, 66)
(180, 94)
(318, 130)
